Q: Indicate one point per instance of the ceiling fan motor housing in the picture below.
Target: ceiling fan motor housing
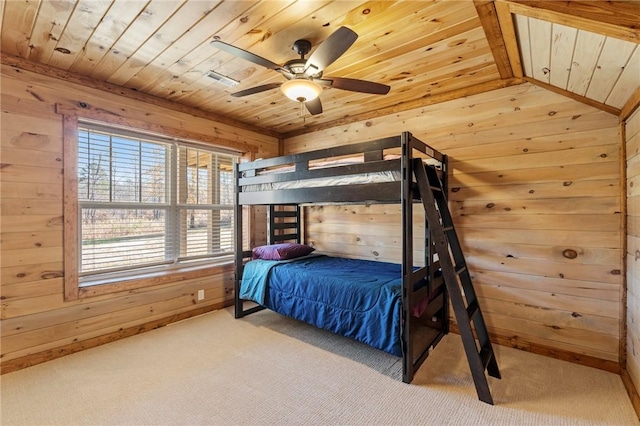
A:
(296, 66)
(302, 47)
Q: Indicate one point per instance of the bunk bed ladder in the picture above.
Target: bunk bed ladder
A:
(457, 280)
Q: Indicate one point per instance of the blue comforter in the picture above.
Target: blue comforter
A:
(356, 298)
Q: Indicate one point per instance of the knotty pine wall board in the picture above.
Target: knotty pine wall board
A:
(152, 306)
(535, 193)
(632, 134)
(36, 320)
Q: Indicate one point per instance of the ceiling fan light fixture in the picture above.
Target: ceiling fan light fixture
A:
(301, 90)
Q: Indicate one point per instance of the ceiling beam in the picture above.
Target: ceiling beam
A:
(630, 106)
(489, 20)
(509, 36)
(617, 19)
(574, 96)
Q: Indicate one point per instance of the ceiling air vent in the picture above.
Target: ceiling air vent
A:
(223, 79)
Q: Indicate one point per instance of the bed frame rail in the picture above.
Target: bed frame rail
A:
(240, 310)
(250, 169)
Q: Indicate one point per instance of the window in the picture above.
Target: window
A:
(146, 204)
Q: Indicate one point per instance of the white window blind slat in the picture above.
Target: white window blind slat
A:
(129, 218)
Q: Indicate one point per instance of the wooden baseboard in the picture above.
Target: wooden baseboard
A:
(515, 342)
(51, 354)
(631, 390)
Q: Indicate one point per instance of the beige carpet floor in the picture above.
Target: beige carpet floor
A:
(271, 370)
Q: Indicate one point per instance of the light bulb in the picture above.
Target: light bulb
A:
(301, 90)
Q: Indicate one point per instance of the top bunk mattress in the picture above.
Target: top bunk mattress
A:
(347, 179)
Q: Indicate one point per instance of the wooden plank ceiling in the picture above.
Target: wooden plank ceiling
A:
(426, 51)
(600, 63)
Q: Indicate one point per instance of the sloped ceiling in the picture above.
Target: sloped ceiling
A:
(604, 69)
(426, 51)
(586, 50)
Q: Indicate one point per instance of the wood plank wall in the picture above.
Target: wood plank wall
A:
(632, 134)
(35, 317)
(535, 191)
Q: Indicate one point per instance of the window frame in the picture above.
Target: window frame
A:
(125, 280)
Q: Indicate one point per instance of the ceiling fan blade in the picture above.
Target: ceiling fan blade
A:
(256, 89)
(355, 85)
(314, 107)
(330, 50)
(240, 53)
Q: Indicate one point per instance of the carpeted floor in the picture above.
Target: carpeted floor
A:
(267, 369)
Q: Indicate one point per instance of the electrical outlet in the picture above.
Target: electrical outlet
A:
(201, 294)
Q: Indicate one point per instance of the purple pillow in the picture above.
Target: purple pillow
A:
(281, 251)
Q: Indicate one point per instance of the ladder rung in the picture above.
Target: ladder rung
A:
(485, 356)
(287, 225)
(284, 237)
(435, 188)
(277, 213)
(472, 310)
(461, 269)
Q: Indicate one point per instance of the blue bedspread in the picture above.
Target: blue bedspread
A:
(255, 278)
(355, 298)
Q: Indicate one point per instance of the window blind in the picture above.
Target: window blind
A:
(150, 203)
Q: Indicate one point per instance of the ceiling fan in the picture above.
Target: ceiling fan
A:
(304, 76)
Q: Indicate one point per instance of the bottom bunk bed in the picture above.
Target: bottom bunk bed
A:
(360, 299)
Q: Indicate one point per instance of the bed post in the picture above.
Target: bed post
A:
(240, 253)
(406, 202)
(445, 190)
(237, 210)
